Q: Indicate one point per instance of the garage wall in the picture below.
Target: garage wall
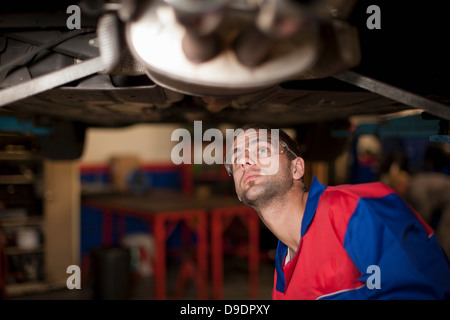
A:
(150, 142)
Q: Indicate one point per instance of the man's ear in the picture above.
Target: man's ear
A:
(299, 168)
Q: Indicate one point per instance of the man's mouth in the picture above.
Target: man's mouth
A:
(250, 176)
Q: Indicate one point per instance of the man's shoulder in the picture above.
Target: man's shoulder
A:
(358, 191)
(340, 202)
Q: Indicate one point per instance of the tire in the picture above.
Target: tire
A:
(66, 141)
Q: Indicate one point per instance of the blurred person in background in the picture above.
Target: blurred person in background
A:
(427, 191)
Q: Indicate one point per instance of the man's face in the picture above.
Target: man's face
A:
(259, 179)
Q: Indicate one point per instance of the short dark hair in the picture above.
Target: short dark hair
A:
(283, 136)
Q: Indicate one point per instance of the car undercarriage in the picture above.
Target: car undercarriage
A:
(284, 63)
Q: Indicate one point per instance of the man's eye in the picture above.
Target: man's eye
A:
(263, 151)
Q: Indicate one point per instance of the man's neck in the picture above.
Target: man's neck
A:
(283, 217)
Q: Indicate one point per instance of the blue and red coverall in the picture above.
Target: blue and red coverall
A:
(346, 231)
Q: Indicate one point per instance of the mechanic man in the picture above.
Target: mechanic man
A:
(343, 242)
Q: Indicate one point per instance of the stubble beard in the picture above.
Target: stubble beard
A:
(258, 196)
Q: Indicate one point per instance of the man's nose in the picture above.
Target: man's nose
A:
(249, 159)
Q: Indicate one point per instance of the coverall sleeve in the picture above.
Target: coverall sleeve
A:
(396, 252)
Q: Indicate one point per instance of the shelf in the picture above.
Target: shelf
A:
(15, 179)
(17, 289)
(20, 156)
(21, 221)
(17, 250)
